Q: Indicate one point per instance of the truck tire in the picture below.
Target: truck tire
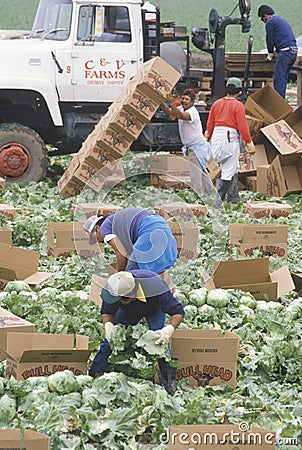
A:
(23, 154)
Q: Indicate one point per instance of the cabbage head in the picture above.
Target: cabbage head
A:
(63, 382)
(8, 409)
(17, 287)
(198, 296)
(218, 298)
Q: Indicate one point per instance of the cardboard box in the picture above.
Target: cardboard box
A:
(11, 323)
(262, 180)
(96, 285)
(187, 236)
(169, 164)
(249, 163)
(66, 237)
(2, 183)
(283, 137)
(69, 187)
(16, 439)
(251, 275)
(294, 120)
(219, 437)
(126, 123)
(99, 157)
(91, 209)
(297, 279)
(213, 169)
(37, 354)
(267, 105)
(85, 209)
(156, 79)
(266, 209)
(5, 235)
(255, 126)
(180, 209)
(112, 140)
(171, 182)
(206, 357)
(250, 183)
(8, 211)
(270, 240)
(140, 105)
(285, 175)
(18, 263)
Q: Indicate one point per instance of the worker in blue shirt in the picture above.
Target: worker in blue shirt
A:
(279, 37)
(126, 299)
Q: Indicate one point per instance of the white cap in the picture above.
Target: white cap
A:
(119, 285)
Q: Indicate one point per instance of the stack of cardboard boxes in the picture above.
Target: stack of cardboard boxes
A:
(276, 129)
(119, 128)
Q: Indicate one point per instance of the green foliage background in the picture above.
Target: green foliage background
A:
(19, 14)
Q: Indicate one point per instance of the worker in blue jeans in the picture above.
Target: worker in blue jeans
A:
(127, 298)
(279, 37)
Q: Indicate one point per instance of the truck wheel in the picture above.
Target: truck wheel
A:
(23, 154)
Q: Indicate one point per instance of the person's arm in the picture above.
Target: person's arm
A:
(120, 252)
(176, 320)
(173, 110)
(269, 37)
(108, 324)
(107, 318)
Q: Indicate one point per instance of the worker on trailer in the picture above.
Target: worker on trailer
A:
(192, 138)
(127, 298)
(279, 36)
(226, 122)
(140, 239)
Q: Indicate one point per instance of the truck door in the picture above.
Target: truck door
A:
(106, 52)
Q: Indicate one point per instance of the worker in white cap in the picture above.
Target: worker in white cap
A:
(126, 299)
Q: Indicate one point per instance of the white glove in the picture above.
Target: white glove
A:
(269, 57)
(109, 327)
(164, 334)
(251, 148)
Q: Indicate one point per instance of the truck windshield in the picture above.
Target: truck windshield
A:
(104, 24)
(53, 20)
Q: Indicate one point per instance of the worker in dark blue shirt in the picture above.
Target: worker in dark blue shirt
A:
(279, 37)
(127, 298)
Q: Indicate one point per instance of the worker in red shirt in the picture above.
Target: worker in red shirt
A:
(226, 122)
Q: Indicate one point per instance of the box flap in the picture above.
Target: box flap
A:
(11, 439)
(283, 137)
(96, 286)
(37, 278)
(47, 355)
(285, 282)
(254, 233)
(297, 279)
(24, 262)
(245, 271)
(81, 342)
(17, 343)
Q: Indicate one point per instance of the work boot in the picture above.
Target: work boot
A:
(232, 193)
(223, 187)
(167, 376)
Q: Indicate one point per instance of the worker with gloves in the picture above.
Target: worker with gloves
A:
(194, 144)
(140, 239)
(226, 123)
(126, 299)
(279, 37)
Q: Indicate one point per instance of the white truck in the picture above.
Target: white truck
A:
(56, 83)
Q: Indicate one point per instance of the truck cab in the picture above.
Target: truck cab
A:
(57, 82)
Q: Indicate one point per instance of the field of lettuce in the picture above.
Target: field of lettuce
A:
(124, 409)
